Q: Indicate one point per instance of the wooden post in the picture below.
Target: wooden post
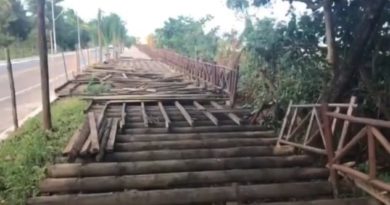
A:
(12, 88)
(328, 138)
(42, 44)
(371, 153)
(65, 68)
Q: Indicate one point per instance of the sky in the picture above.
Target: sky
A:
(142, 17)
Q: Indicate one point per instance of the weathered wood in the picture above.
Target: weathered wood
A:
(192, 144)
(104, 140)
(232, 116)
(208, 114)
(164, 114)
(93, 133)
(194, 136)
(144, 115)
(351, 201)
(221, 128)
(191, 195)
(124, 168)
(123, 116)
(77, 141)
(112, 136)
(304, 147)
(166, 180)
(193, 154)
(361, 120)
(185, 114)
(346, 123)
(382, 139)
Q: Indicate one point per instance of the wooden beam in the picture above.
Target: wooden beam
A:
(144, 115)
(184, 113)
(112, 136)
(165, 115)
(232, 116)
(208, 114)
(93, 132)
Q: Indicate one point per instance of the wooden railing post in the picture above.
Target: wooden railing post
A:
(371, 154)
(329, 147)
(284, 123)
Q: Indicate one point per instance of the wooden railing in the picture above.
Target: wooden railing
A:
(370, 134)
(327, 130)
(218, 76)
(302, 125)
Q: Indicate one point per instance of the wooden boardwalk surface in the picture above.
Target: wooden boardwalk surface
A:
(157, 137)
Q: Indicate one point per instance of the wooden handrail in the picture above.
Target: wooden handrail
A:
(360, 120)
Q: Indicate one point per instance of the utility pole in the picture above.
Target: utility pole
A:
(12, 88)
(54, 26)
(42, 44)
(100, 37)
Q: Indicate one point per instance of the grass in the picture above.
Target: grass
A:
(24, 156)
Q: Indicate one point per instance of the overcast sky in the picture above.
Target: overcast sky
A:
(142, 17)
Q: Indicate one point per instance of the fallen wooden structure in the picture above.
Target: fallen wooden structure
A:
(164, 148)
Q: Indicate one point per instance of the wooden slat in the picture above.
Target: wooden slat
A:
(123, 116)
(284, 121)
(208, 114)
(334, 122)
(165, 115)
(144, 115)
(112, 136)
(309, 127)
(294, 117)
(232, 116)
(184, 113)
(93, 132)
(346, 123)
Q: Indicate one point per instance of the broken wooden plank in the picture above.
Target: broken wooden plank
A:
(232, 116)
(207, 113)
(93, 133)
(112, 136)
(184, 113)
(144, 115)
(165, 115)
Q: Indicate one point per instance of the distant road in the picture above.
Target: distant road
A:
(27, 83)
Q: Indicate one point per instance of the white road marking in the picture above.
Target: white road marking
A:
(32, 87)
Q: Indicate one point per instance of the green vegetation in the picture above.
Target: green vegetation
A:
(95, 87)
(188, 36)
(18, 29)
(25, 154)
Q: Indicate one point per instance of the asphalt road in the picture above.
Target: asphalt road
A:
(27, 83)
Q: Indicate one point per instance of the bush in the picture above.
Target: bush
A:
(24, 156)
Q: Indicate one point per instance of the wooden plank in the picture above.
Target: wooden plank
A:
(334, 122)
(123, 116)
(112, 136)
(144, 115)
(184, 113)
(294, 117)
(165, 115)
(232, 116)
(207, 113)
(309, 127)
(105, 135)
(284, 124)
(93, 132)
(346, 123)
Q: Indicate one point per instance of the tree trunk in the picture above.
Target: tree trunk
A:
(42, 44)
(12, 89)
(343, 76)
(332, 56)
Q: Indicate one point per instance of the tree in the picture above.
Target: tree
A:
(354, 33)
(187, 36)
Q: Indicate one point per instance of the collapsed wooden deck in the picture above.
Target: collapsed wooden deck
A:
(175, 148)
